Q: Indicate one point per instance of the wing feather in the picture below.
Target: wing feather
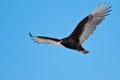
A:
(97, 16)
(45, 40)
(86, 27)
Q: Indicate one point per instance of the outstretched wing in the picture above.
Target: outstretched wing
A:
(86, 27)
(45, 40)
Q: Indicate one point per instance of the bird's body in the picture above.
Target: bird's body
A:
(83, 30)
(73, 44)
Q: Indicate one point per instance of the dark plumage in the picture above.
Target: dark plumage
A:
(83, 30)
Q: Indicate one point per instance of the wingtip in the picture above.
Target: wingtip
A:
(30, 34)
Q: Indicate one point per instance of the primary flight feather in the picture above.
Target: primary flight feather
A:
(83, 30)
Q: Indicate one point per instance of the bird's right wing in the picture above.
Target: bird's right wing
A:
(86, 27)
(95, 18)
(45, 40)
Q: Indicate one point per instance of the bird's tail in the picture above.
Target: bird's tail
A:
(30, 34)
(85, 51)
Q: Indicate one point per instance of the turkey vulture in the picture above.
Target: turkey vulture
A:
(82, 31)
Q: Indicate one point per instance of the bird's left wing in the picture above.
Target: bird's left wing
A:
(86, 27)
(45, 40)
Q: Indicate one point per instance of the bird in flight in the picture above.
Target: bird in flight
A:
(82, 31)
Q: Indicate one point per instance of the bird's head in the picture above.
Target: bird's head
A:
(62, 42)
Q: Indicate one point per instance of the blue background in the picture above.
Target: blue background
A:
(21, 59)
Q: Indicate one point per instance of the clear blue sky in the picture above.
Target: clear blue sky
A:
(21, 59)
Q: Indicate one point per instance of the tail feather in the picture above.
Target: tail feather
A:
(85, 51)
